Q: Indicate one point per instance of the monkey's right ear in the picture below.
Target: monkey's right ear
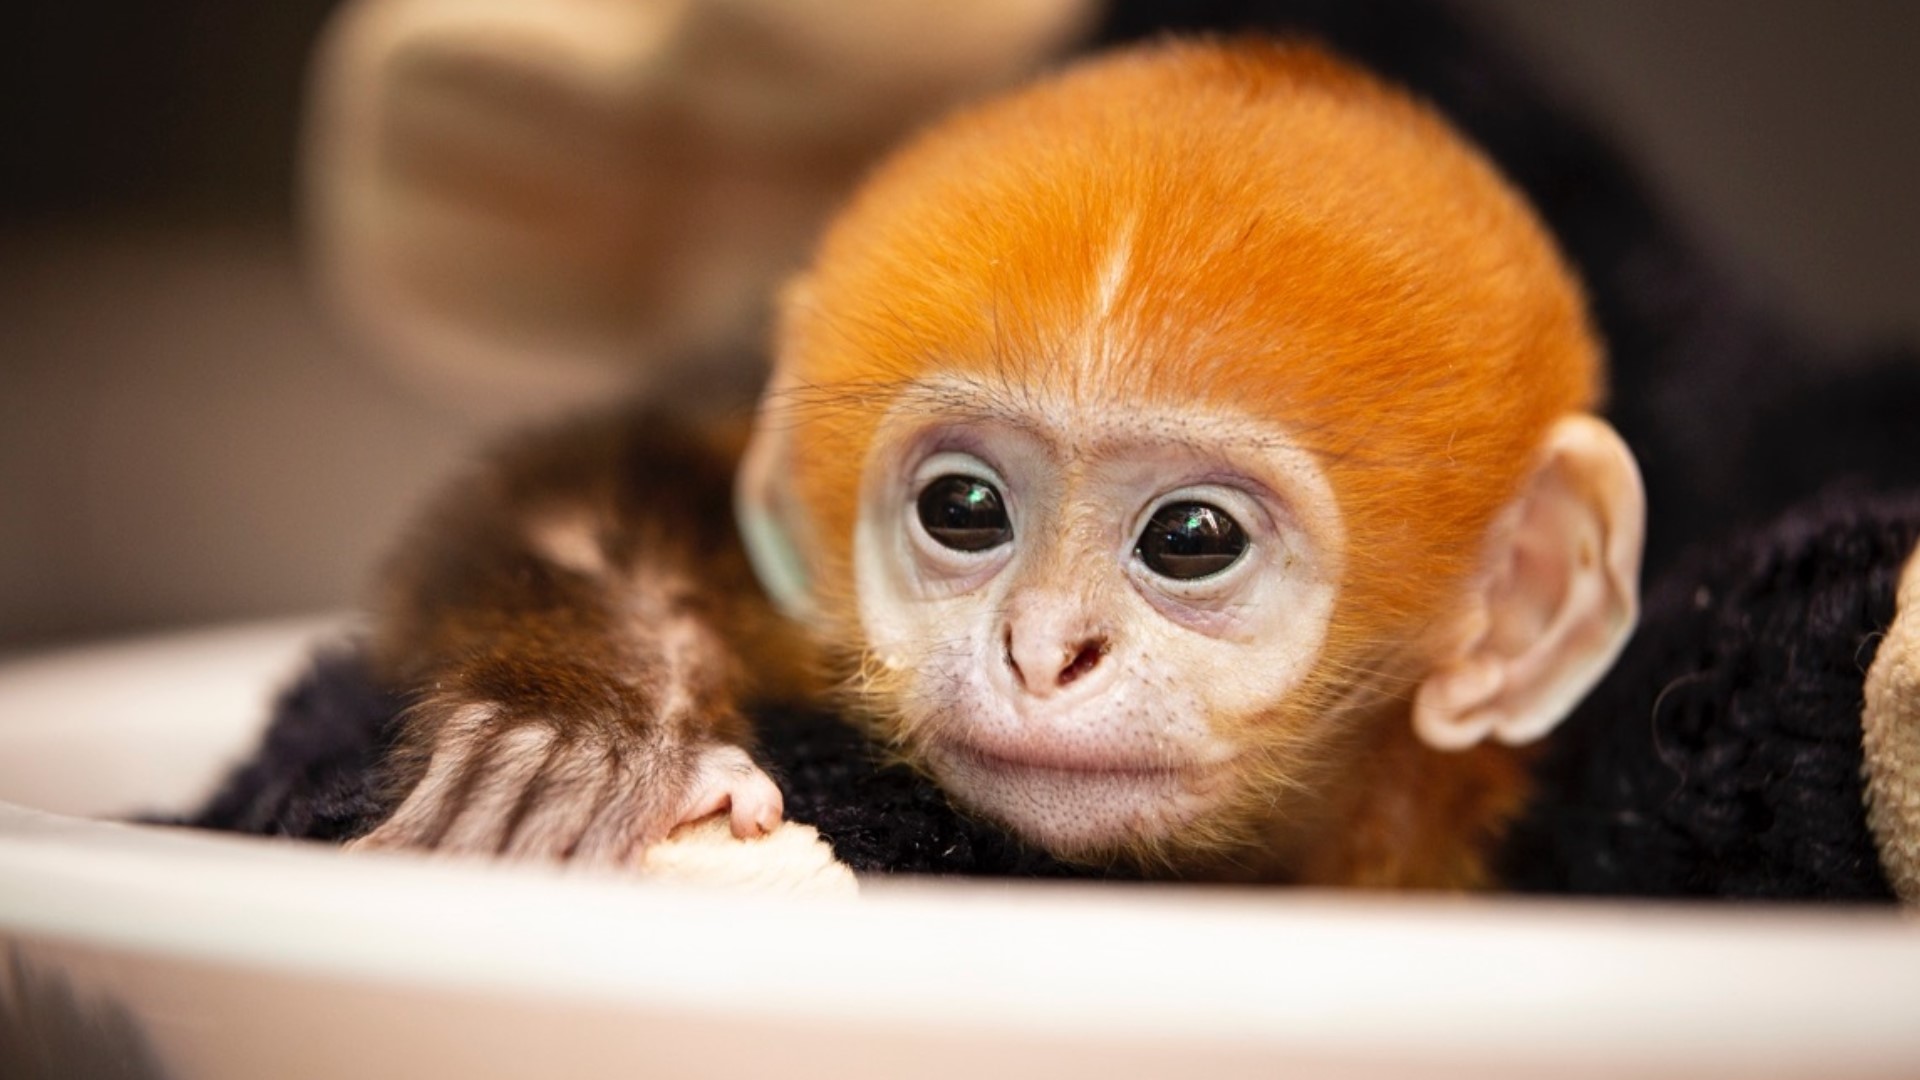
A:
(771, 521)
(1556, 603)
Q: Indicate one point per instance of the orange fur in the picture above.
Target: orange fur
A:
(1309, 245)
(1424, 819)
(1249, 224)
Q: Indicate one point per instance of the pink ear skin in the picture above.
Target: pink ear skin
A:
(1557, 603)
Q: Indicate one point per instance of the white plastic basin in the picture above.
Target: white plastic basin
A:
(191, 955)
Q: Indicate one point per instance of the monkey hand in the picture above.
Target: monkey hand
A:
(537, 790)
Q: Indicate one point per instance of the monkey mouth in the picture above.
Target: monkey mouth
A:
(1079, 804)
(1048, 760)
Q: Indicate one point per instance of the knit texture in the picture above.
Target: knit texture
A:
(314, 775)
(1722, 756)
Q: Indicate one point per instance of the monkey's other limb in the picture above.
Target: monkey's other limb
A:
(567, 625)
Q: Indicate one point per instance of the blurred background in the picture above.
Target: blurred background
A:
(187, 435)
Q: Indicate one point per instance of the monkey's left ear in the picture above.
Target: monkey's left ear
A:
(1556, 603)
(770, 520)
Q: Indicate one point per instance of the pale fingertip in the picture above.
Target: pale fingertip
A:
(745, 825)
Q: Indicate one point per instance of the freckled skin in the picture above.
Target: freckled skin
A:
(1238, 276)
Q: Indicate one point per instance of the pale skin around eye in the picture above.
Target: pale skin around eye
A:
(1055, 679)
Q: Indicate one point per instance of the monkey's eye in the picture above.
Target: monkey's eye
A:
(964, 514)
(1192, 540)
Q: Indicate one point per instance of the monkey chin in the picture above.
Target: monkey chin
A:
(1083, 811)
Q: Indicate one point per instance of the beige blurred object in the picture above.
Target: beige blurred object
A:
(531, 203)
(791, 859)
(1890, 737)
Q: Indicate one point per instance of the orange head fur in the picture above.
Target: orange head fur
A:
(1247, 223)
(1250, 229)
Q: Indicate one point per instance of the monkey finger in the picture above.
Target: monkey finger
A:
(497, 794)
(618, 828)
(423, 815)
(757, 805)
(558, 811)
(728, 779)
(751, 820)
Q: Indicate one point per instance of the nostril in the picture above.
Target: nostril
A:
(1041, 666)
(1084, 660)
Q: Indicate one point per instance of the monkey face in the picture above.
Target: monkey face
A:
(1079, 616)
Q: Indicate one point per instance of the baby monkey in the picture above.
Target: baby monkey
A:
(1187, 461)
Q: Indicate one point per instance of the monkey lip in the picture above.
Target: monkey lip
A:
(1073, 801)
(1054, 759)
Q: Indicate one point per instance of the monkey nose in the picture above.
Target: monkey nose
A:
(1042, 664)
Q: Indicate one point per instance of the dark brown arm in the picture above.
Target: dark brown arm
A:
(571, 623)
